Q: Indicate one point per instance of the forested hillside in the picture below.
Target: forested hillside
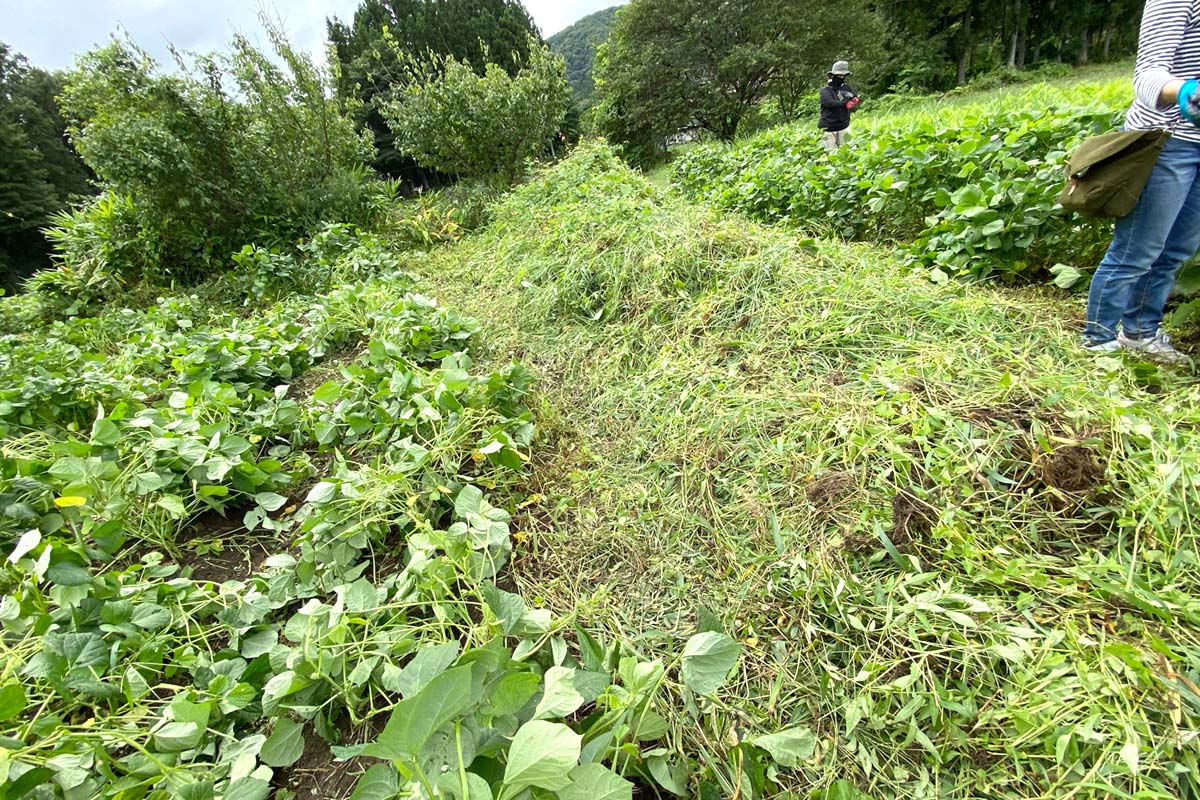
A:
(577, 45)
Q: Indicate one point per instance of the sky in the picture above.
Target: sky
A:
(50, 33)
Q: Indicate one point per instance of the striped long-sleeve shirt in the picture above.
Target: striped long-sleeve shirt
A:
(1168, 49)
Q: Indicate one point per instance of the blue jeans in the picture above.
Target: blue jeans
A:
(1149, 247)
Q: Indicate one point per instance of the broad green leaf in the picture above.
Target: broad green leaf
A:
(451, 785)
(512, 693)
(270, 501)
(469, 501)
(12, 701)
(671, 776)
(173, 504)
(252, 787)
(259, 643)
(789, 747)
(415, 720)
(542, 754)
(596, 782)
(323, 492)
(285, 746)
(707, 659)
(426, 665)
(68, 573)
(362, 596)
(380, 782)
(175, 737)
(560, 698)
(150, 616)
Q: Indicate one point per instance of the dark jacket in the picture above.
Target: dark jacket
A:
(834, 114)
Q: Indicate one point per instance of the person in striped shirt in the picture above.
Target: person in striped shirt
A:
(1130, 289)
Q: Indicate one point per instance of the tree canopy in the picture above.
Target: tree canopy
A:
(705, 63)
(39, 172)
(372, 70)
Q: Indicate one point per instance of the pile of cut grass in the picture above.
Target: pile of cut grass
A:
(959, 553)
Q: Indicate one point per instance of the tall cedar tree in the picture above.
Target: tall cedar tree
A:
(39, 171)
(424, 29)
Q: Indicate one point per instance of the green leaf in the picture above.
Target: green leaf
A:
(672, 777)
(12, 701)
(424, 667)
(542, 754)
(707, 659)
(150, 616)
(789, 747)
(380, 782)
(259, 643)
(469, 501)
(173, 504)
(285, 746)
(561, 698)
(327, 392)
(477, 788)
(415, 720)
(68, 573)
(512, 693)
(269, 501)
(323, 492)
(175, 737)
(596, 782)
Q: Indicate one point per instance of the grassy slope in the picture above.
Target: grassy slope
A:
(955, 549)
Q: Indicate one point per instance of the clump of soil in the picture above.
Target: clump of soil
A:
(830, 489)
(1073, 470)
(912, 519)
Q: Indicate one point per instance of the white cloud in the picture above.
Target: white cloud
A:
(50, 34)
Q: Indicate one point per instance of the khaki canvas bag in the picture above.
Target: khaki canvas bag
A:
(1106, 174)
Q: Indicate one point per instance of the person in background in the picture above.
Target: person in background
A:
(1129, 291)
(838, 100)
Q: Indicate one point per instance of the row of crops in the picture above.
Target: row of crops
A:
(969, 192)
(250, 549)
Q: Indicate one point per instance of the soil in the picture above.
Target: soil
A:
(241, 553)
(318, 775)
(912, 519)
(831, 489)
(1073, 470)
(301, 388)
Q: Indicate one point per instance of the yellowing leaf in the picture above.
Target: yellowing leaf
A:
(71, 501)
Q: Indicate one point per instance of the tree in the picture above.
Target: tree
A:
(192, 168)
(40, 172)
(371, 71)
(705, 63)
(456, 121)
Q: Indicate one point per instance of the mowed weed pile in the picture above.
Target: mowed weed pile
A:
(957, 553)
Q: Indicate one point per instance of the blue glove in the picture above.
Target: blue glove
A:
(1189, 101)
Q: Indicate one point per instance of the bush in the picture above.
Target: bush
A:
(456, 121)
(229, 150)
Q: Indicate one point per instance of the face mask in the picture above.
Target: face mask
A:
(837, 80)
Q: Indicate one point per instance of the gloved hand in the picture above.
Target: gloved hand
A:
(1189, 101)
(853, 102)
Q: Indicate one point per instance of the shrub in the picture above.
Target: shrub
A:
(228, 150)
(456, 121)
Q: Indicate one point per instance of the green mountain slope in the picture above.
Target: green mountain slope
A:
(577, 45)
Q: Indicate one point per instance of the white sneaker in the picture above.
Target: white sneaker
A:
(1156, 348)
(1111, 346)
